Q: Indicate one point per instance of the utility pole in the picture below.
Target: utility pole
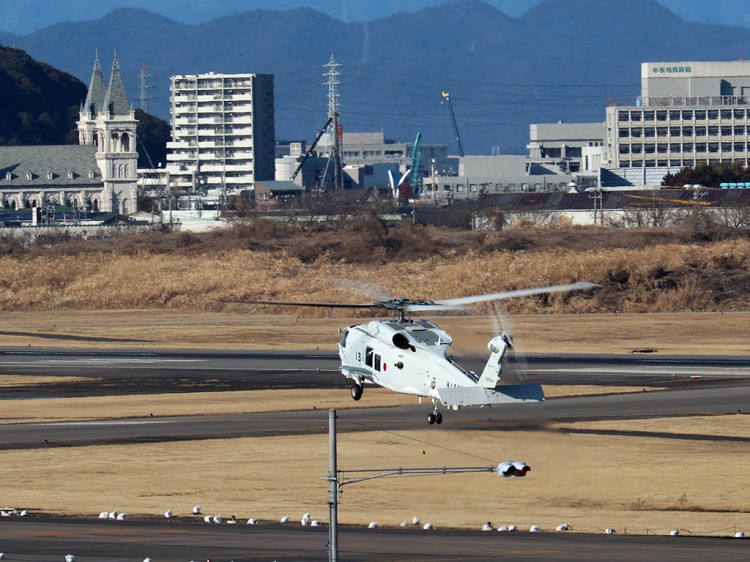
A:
(598, 196)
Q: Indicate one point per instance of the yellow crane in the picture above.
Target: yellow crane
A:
(665, 200)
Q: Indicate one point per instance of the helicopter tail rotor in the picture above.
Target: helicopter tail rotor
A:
(514, 362)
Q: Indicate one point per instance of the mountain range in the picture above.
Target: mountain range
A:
(562, 60)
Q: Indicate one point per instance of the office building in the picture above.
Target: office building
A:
(566, 148)
(689, 113)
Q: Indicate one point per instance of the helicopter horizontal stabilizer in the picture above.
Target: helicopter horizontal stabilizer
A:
(479, 396)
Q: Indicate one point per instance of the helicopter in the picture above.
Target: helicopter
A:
(411, 356)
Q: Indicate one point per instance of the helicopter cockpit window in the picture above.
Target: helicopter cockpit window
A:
(368, 356)
(343, 340)
(377, 362)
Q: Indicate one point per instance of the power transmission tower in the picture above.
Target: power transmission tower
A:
(366, 45)
(145, 87)
(332, 82)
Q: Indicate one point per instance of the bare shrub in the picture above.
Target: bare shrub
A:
(10, 245)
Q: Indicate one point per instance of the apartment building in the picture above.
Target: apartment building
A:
(223, 134)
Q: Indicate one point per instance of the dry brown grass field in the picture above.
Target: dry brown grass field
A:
(639, 271)
(632, 483)
(638, 476)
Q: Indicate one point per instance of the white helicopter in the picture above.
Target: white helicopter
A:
(411, 356)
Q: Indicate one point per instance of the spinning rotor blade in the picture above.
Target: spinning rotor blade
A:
(463, 301)
(514, 362)
(312, 304)
(364, 288)
(407, 305)
(436, 307)
(495, 320)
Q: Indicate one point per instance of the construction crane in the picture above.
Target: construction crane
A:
(693, 201)
(311, 149)
(447, 98)
(416, 164)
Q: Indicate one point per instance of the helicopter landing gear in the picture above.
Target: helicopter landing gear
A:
(435, 417)
(357, 390)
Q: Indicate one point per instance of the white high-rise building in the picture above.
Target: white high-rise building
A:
(223, 133)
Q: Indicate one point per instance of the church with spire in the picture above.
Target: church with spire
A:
(107, 121)
(98, 175)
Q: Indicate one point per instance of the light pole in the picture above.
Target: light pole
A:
(336, 481)
(434, 183)
(333, 490)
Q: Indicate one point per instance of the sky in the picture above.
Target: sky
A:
(24, 16)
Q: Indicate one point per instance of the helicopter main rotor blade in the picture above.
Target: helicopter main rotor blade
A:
(406, 305)
(437, 306)
(312, 304)
(462, 301)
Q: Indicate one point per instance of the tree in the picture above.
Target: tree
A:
(153, 134)
(652, 209)
(710, 175)
(40, 103)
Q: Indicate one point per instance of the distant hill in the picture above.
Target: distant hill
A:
(562, 60)
(39, 101)
(41, 106)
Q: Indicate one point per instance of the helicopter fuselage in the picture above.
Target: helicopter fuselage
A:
(408, 357)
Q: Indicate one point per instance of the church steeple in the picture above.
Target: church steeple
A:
(108, 123)
(95, 97)
(116, 99)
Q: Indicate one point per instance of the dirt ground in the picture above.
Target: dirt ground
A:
(638, 476)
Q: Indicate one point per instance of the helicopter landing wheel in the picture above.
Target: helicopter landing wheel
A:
(438, 418)
(357, 390)
(431, 418)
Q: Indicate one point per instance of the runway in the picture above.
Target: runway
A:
(162, 370)
(42, 540)
(721, 389)
(720, 400)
